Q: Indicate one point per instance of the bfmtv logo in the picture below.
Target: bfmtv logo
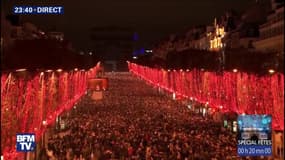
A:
(25, 142)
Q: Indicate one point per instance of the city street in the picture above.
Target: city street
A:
(142, 80)
(134, 122)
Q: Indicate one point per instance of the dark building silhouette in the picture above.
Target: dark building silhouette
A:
(113, 43)
(14, 19)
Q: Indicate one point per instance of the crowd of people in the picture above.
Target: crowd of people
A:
(134, 122)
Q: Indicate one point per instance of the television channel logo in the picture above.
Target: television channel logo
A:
(25, 142)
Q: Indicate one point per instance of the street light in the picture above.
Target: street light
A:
(49, 70)
(21, 70)
(271, 71)
(44, 122)
(189, 106)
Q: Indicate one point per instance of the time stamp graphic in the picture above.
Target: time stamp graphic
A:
(38, 9)
(254, 150)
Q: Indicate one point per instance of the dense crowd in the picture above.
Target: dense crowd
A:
(134, 122)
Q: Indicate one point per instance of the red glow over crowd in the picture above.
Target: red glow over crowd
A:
(237, 92)
(32, 101)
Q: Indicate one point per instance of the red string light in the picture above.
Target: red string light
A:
(27, 103)
(228, 92)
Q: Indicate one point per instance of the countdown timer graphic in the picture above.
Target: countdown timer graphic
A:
(254, 135)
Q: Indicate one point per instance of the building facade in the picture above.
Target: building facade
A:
(272, 32)
(56, 35)
(216, 43)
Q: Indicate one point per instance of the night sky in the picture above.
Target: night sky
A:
(152, 19)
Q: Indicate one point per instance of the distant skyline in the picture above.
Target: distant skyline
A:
(152, 19)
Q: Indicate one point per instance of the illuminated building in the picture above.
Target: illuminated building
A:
(272, 31)
(113, 43)
(197, 39)
(272, 40)
(216, 37)
(245, 30)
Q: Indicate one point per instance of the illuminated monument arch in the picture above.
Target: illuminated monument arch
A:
(113, 43)
(110, 65)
